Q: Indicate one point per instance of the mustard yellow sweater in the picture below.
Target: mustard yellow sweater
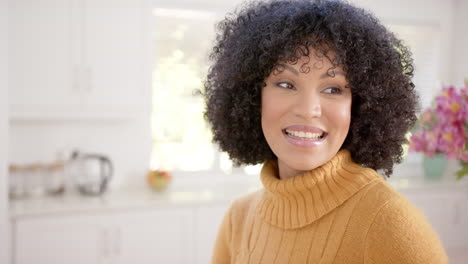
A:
(340, 212)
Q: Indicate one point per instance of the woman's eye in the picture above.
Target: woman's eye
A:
(285, 85)
(332, 90)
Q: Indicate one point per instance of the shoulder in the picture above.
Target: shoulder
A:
(237, 218)
(400, 233)
(376, 195)
(227, 240)
(244, 205)
(239, 209)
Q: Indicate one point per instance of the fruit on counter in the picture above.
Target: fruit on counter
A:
(158, 179)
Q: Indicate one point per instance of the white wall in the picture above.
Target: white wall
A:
(4, 215)
(460, 42)
(126, 142)
(433, 13)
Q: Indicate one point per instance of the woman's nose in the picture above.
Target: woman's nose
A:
(308, 106)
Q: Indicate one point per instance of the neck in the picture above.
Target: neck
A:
(303, 198)
(286, 172)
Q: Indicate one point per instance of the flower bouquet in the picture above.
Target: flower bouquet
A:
(443, 128)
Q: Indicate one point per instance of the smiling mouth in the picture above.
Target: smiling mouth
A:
(302, 135)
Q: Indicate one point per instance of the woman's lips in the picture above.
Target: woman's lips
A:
(304, 136)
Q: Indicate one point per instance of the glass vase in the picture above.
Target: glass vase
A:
(434, 167)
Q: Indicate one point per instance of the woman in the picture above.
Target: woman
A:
(321, 93)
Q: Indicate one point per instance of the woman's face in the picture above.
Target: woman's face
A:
(305, 116)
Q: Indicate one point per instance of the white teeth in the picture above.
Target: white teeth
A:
(305, 135)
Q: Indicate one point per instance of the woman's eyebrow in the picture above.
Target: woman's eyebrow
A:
(334, 73)
(291, 69)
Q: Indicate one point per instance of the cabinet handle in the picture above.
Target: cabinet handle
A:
(456, 217)
(104, 243)
(117, 241)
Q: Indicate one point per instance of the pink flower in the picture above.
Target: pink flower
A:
(449, 105)
(444, 128)
(464, 111)
(428, 117)
(426, 142)
(452, 140)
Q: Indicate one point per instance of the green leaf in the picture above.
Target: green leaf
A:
(463, 172)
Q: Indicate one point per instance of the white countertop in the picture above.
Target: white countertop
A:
(180, 195)
(144, 197)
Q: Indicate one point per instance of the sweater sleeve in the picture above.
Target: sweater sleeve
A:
(400, 233)
(222, 249)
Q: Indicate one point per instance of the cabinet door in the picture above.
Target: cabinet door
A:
(135, 236)
(459, 238)
(207, 222)
(40, 55)
(57, 240)
(445, 211)
(156, 236)
(115, 55)
(79, 58)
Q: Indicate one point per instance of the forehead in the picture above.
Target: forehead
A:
(313, 62)
(305, 58)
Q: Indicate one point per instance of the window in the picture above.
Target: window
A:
(181, 138)
(424, 43)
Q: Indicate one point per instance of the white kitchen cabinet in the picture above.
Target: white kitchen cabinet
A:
(447, 211)
(154, 236)
(207, 222)
(54, 239)
(150, 236)
(79, 58)
(41, 50)
(114, 57)
(172, 228)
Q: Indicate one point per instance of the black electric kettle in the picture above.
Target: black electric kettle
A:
(90, 172)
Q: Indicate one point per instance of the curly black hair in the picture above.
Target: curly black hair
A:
(259, 36)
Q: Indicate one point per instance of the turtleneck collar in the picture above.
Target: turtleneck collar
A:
(298, 201)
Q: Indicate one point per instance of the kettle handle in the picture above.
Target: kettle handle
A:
(107, 170)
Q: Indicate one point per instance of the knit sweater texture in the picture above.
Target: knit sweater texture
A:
(340, 212)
